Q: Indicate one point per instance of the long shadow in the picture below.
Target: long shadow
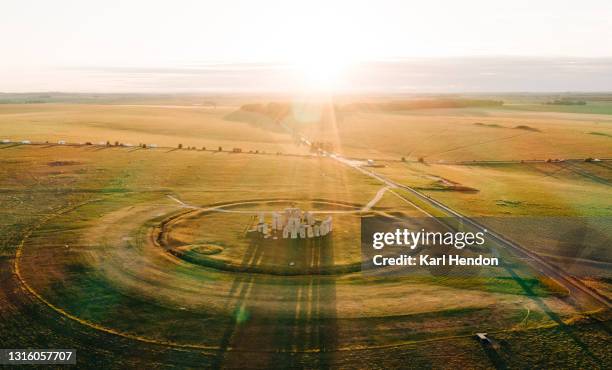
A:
(237, 294)
(604, 165)
(314, 324)
(302, 314)
(586, 174)
(567, 330)
(497, 361)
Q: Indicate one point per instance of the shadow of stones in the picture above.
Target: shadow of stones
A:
(303, 319)
(491, 352)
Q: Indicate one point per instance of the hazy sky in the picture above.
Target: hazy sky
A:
(44, 42)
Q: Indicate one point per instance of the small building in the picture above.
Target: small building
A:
(237, 150)
(5, 141)
(482, 338)
(372, 163)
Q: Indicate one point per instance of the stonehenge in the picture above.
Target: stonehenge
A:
(293, 223)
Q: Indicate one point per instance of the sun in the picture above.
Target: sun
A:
(322, 72)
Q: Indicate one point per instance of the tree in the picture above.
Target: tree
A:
(180, 146)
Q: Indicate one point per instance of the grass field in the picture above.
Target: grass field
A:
(467, 134)
(560, 210)
(593, 107)
(82, 260)
(164, 125)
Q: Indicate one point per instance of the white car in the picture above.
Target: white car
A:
(62, 142)
(152, 145)
(26, 142)
(5, 141)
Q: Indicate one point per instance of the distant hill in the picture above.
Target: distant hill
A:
(401, 105)
(279, 110)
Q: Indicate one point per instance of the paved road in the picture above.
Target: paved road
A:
(579, 292)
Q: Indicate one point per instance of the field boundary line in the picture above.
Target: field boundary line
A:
(187, 346)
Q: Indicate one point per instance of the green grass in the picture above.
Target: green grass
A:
(592, 107)
(112, 275)
(106, 271)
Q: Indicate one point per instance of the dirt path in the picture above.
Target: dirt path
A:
(222, 208)
(376, 199)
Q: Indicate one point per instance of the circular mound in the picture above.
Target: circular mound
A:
(190, 236)
(114, 276)
(205, 249)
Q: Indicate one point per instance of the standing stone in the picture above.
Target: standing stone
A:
(294, 233)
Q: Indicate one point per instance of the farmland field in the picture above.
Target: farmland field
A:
(163, 125)
(145, 249)
(467, 134)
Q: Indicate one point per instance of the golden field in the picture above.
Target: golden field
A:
(80, 225)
